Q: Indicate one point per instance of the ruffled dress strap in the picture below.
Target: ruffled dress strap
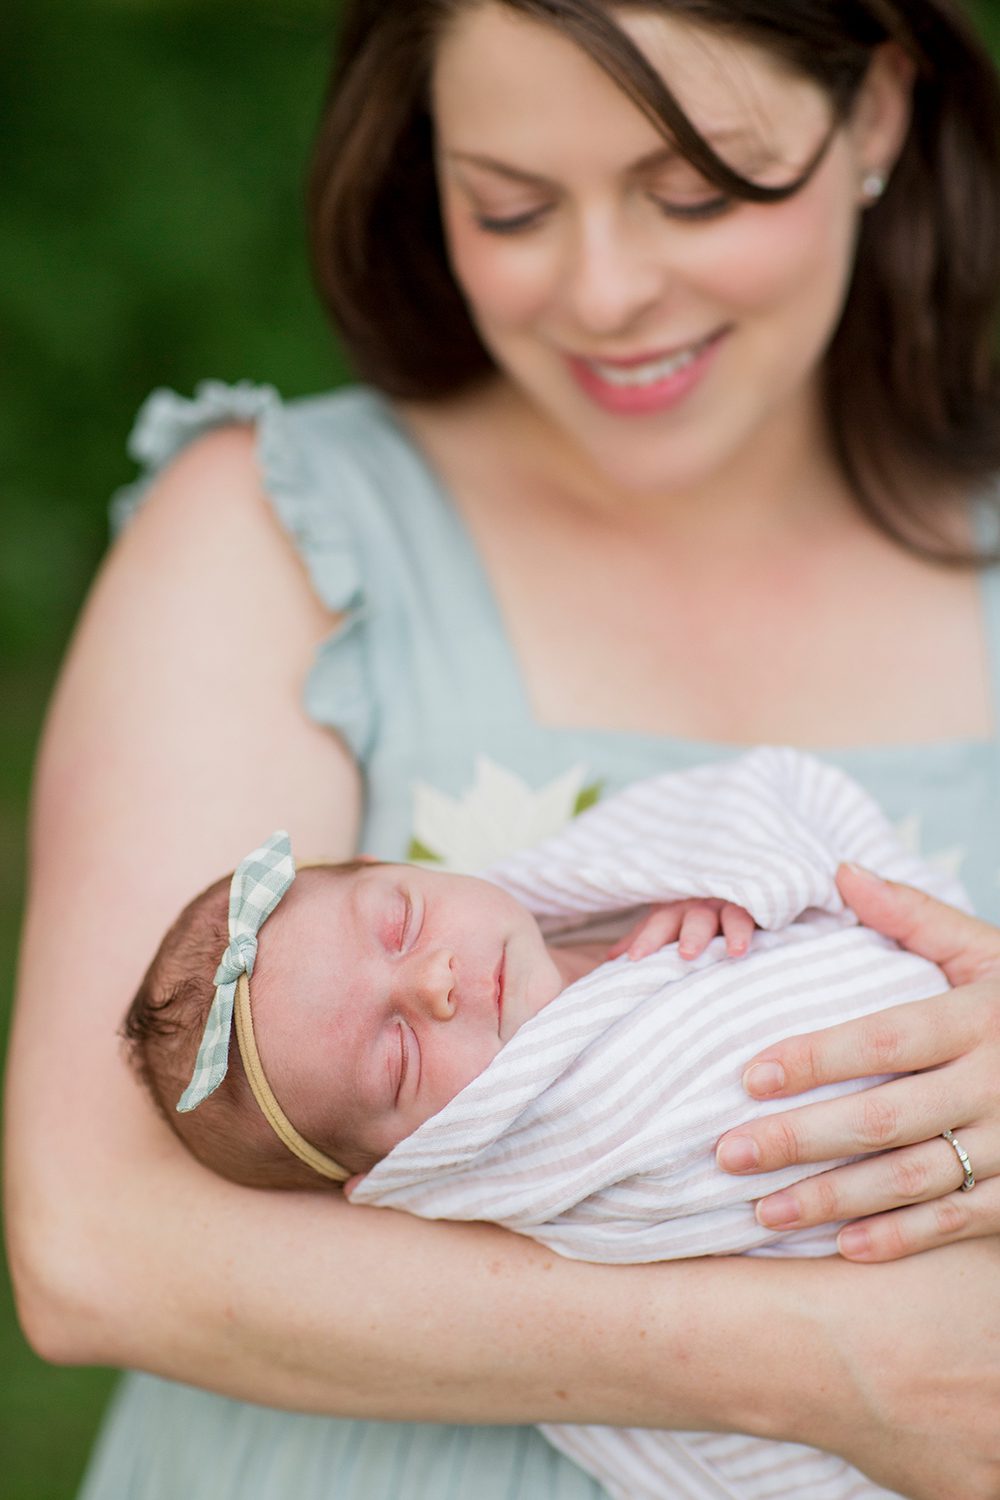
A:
(318, 508)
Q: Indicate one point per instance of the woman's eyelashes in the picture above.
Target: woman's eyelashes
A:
(510, 223)
(705, 208)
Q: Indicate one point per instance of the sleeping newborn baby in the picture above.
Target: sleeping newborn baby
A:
(457, 1047)
(357, 972)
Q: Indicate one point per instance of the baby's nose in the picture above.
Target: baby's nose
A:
(433, 982)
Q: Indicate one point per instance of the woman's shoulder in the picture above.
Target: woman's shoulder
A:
(229, 475)
(238, 431)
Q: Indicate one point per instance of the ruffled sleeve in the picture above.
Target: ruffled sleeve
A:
(315, 515)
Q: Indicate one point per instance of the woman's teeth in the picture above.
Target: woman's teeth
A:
(649, 373)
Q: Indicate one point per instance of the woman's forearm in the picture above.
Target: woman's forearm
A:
(318, 1306)
(305, 1302)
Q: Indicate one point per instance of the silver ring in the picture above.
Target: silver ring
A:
(963, 1156)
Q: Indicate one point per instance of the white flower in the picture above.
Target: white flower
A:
(499, 814)
(909, 832)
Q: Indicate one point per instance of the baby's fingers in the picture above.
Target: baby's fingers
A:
(737, 927)
(658, 928)
(700, 925)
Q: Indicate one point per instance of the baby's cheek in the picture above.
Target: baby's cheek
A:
(467, 1063)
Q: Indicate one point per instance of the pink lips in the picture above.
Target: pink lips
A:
(639, 400)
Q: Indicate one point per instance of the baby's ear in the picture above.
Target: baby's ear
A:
(352, 1183)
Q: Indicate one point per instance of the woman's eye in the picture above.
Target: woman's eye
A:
(510, 224)
(704, 208)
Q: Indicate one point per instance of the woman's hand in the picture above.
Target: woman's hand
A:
(951, 1044)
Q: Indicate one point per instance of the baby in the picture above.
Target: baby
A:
(381, 991)
(357, 969)
(433, 1049)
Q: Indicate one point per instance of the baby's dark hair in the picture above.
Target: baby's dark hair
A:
(163, 1030)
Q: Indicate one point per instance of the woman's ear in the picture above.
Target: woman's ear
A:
(880, 118)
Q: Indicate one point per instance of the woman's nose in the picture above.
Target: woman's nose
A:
(428, 981)
(614, 278)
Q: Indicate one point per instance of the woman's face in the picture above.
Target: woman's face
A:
(665, 330)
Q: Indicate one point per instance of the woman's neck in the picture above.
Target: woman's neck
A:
(783, 483)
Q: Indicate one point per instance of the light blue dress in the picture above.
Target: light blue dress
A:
(419, 681)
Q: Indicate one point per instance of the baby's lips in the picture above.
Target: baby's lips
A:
(499, 976)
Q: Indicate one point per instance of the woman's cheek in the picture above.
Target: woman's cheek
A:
(506, 280)
(795, 258)
(766, 257)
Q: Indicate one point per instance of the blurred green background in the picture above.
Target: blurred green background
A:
(151, 233)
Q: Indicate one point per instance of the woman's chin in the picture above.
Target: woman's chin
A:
(651, 467)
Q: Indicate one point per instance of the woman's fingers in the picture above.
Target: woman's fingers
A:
(925, 1226)
(920, 1034)
(964, 947)
(898, 1113)
(914, 1174)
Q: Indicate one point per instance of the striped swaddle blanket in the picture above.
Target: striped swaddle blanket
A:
(594, 1129)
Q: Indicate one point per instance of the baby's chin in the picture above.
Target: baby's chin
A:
(545, 981)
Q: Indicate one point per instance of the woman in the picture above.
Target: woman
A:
(708, 332)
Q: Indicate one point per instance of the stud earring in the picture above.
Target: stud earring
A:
(872, 187)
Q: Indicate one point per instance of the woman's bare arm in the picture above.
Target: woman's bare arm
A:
(175, 739)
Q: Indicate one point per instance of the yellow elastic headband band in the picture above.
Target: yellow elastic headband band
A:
(264, 1094)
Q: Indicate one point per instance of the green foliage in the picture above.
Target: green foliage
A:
(419, 851)
(589, 795)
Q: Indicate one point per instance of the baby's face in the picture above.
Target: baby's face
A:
(378, 995)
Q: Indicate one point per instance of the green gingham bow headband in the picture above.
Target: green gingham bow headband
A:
(258, 884)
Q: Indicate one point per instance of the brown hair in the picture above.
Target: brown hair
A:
(163, 1029)
(911, 375)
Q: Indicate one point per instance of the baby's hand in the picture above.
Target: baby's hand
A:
(692, 925)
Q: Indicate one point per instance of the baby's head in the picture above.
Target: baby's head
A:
(378, 992)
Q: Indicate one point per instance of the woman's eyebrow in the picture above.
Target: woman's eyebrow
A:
(660, 156)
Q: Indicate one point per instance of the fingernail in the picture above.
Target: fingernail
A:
(854, 1241)
(764, 1078)
(778, 1212)
(862, 873)
(738, 1153)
